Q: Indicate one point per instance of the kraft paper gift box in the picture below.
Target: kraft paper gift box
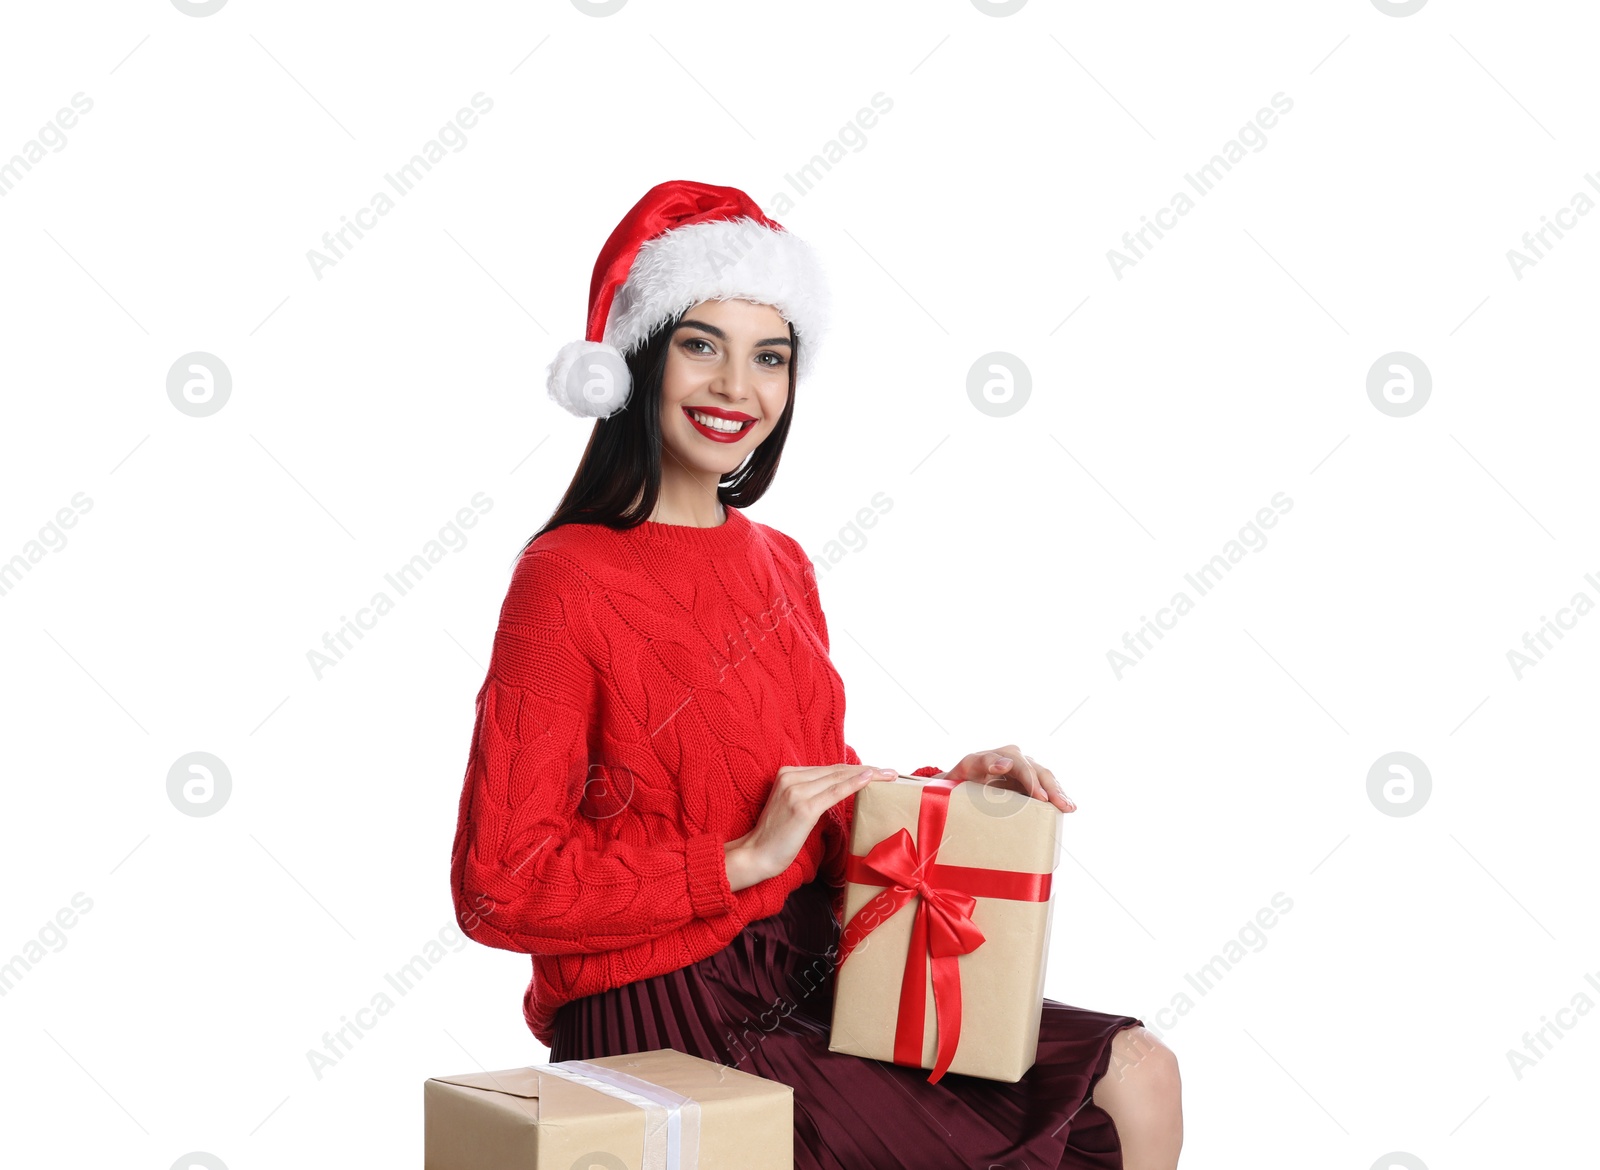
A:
(942, 960)
(656, 1110)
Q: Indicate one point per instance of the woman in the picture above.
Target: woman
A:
(634, 815)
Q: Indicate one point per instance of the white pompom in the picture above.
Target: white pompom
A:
(589, 379)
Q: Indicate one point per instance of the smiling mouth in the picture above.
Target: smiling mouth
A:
(721, 426)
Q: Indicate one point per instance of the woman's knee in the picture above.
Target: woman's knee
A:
(1140, 1063)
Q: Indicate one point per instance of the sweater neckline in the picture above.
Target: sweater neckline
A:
(732, 533)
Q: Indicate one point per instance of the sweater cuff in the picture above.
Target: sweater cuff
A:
(709, 891)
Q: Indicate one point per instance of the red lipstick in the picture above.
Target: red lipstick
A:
(716, 436)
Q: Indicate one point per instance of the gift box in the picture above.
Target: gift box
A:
(656, 1110)
(947, 915)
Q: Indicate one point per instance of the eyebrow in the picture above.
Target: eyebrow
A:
(717, 333)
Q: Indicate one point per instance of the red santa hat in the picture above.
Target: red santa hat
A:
(681, 244)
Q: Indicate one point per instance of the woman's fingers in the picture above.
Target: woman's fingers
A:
(839, 782)
(822, 775)
(983, 765)
(1009, 768)
(1005, 767)
(1010, 761)
(1033, 776)
(1057, 797)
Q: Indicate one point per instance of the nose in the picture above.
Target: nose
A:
(736, 384)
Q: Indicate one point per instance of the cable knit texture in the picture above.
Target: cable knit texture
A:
(644, 688)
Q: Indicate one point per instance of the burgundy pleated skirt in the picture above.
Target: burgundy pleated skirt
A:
(764, 1004)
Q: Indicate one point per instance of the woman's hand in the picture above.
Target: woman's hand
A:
(798, 799)
(1007, 767)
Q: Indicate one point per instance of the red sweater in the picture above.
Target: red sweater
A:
(644, 689)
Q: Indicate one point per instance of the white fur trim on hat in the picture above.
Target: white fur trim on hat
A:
(721, 260)
(589, 379)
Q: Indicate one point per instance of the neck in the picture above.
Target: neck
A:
(688, 497)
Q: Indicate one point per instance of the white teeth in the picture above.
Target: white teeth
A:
(716, 424)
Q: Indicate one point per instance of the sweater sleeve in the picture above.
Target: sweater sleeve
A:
(529, 872)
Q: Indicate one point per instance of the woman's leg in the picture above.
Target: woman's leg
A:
(1142, 1093)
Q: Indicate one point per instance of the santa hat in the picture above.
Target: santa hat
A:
(681, 244)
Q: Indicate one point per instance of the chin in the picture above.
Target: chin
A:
(708, 462)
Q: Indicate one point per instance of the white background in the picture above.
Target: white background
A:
(1167, 407)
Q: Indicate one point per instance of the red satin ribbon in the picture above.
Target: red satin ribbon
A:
(942, 930)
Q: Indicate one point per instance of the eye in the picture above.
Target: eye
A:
(689, 342)
(779, 359)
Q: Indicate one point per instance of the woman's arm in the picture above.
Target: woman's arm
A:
(528, 871)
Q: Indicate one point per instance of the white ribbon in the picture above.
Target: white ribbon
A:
(671, 1120)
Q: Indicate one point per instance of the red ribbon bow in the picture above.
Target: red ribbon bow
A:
(943, 929)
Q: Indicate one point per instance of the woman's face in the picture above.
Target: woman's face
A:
(728, 360)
